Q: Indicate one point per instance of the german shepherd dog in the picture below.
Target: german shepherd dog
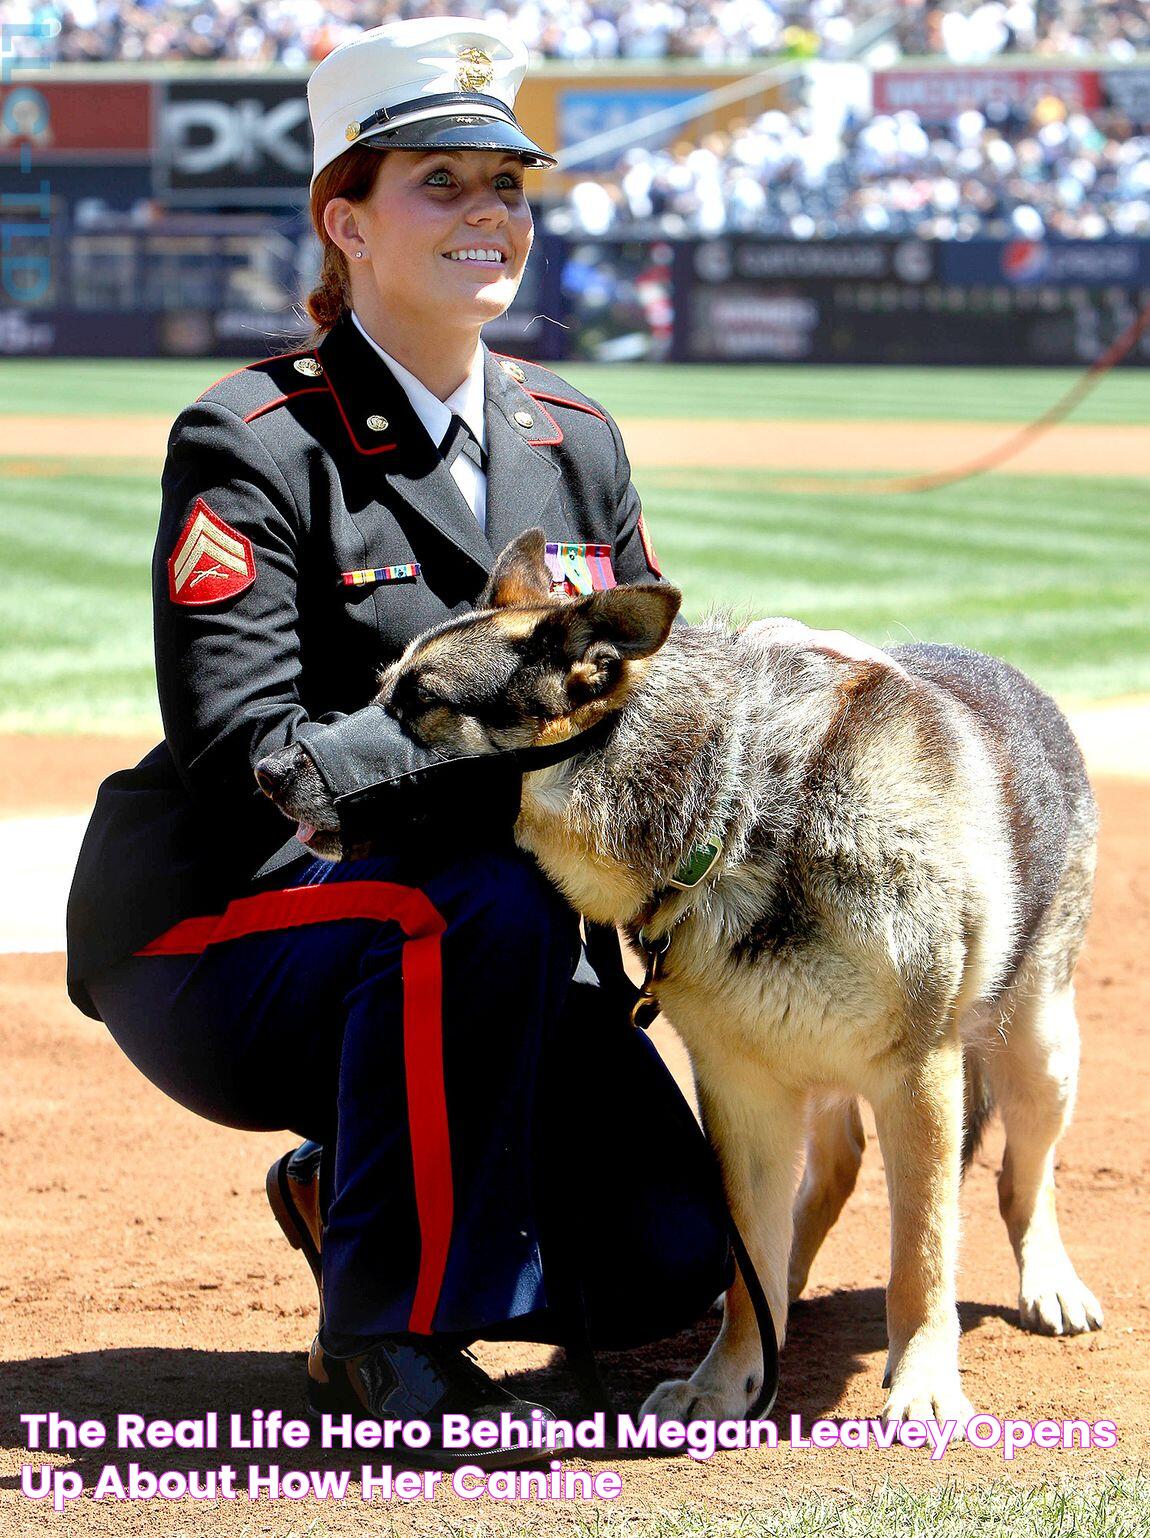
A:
(908, 848)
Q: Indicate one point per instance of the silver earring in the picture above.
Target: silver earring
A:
(359, 256)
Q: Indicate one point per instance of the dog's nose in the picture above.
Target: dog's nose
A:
(272, 775)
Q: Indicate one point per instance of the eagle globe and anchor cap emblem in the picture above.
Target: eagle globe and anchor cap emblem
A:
(476, 69)
(422, 83)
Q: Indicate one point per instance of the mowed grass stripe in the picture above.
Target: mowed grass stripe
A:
(61, 527)
(69, 543)
(940, 566)
(64, 685)
(988, 499)
(106, 386)
(681, 392)
(123, 497)
(1014, 537)
(1045, 624)
(75, 614)
(1048, 573)
(893, 547)
(746, 392)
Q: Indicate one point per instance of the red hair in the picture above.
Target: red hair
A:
(350, 175)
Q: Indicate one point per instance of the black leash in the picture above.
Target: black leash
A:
(768, 1340)
(580, 1356)
(550, 753)
(584, 1366)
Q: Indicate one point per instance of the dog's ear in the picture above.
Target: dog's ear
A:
(520, 577)
(636, 620)
(608, 628)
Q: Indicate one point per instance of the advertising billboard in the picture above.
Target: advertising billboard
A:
(239, 142)
(937, 95)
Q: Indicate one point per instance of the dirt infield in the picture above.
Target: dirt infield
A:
(141, 1269)
(34, 443)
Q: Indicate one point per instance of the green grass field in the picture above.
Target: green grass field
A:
(1049, 572)
(741, 392)
(1110, 1507)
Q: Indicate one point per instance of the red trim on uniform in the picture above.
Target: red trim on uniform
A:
(648, 549)
(190, 937)
(560, 400)
(427, 1117)
(303, 352)
(540, 443)
(515, 358)
(382, 448)
(279, 400)
(546, 395)
(423, 927)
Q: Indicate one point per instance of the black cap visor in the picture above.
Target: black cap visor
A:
(462, 132)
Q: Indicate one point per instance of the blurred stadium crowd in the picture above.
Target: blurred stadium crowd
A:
(1003, 175)
(299, 32)
(971, 31)
(1027, 172)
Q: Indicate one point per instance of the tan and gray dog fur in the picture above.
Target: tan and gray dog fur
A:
(909, 847)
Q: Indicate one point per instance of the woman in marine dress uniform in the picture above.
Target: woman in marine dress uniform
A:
(320, 509)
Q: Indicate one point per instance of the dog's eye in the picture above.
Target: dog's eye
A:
(426, 697)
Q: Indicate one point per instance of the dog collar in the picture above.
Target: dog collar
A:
(698, 865)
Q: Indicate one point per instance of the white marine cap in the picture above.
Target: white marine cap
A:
(438, 82)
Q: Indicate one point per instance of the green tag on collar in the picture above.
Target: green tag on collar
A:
(698, 865)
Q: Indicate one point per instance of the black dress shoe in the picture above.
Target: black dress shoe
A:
(419, 1377)
(293, 1194)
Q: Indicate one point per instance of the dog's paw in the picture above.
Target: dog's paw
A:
(679, 1399)
(1058, 1304)
(919, 1397)
(796, 1282)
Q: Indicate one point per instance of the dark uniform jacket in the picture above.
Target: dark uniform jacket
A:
(318, 459)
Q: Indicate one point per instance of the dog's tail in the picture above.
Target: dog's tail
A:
(977, 1108)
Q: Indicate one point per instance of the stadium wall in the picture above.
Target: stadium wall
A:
(227, 287)
(164, 215)
(224, 139)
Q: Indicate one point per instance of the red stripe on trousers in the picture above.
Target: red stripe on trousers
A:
(423, 926)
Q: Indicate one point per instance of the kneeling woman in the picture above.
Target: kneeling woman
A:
(319, 510)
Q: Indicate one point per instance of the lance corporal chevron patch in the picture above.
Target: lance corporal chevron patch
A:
(579, 569)
(211, 561)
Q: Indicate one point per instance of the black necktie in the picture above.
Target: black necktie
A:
(459, 439)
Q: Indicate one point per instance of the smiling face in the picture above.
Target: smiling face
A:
(444, 238)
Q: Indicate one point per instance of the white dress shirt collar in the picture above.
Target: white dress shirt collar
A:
(466, 402)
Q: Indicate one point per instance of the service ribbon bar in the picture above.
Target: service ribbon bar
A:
(406, 573)
(579, 569)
